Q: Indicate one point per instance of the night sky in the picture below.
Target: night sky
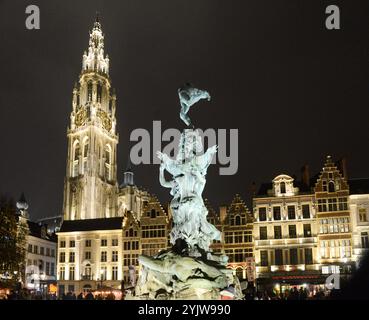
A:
(295, 90)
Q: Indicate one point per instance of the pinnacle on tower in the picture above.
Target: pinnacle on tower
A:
(95, 59)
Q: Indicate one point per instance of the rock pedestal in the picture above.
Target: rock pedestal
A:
(173, 276)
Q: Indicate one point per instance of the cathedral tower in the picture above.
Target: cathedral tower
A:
(90, 187)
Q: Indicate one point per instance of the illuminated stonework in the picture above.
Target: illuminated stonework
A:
(91, 188)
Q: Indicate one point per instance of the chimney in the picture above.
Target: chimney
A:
(342, 166)
(305, 175)
(253, 189)
(223, 213)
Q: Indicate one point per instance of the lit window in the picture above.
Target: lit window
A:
(283, 187)
(362, 215)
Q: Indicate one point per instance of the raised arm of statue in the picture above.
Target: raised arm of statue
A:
(163, 182)
(169, 164)
(204, 160)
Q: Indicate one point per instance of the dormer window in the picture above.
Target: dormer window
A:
(283, 187)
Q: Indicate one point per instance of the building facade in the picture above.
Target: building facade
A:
(333, 220)
(105, 225)
(236, 225)
(359, 210)
(286, 234)
(39, 275)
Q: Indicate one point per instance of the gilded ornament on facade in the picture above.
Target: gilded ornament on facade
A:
(81, 117)
(105, 120)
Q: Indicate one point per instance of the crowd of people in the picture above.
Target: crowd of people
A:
(294, 293)
(28, 295)
(88, 296)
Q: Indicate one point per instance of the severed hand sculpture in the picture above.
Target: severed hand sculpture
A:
(188, 96)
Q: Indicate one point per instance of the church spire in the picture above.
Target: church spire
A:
(95, 59)
(128, 175)
(92, 138)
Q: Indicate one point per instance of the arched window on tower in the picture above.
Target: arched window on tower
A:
(89, 91)
(107, 162)
(76, 151)
(99, 92)
(283, 187)
(331, 187)
(85, 153)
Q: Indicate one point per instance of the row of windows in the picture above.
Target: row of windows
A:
(331, 249)
(291, 212)
(153, 213)
(291, 260)
(103, 256)
(130, 259)
(44, 267)
(238, 255)
(330, 186)
(131, 245)
(131, 233)
(263, 232)
(44, 252)
(332, 204)
(103, 243)
(87, 275)
(238, 220)
(153, 231)
(334, 225)
(238, 236)
(151, 249)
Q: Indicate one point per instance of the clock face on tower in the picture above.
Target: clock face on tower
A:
(105, 120)
(81, 117)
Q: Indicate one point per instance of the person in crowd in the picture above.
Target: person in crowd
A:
(89, 296)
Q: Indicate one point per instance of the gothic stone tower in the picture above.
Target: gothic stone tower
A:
(90, 187)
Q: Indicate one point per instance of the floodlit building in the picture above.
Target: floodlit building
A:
(333, 220)
(285, 234)
(39, 274)
(236, 225)
(105, 225)
(359, 210)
